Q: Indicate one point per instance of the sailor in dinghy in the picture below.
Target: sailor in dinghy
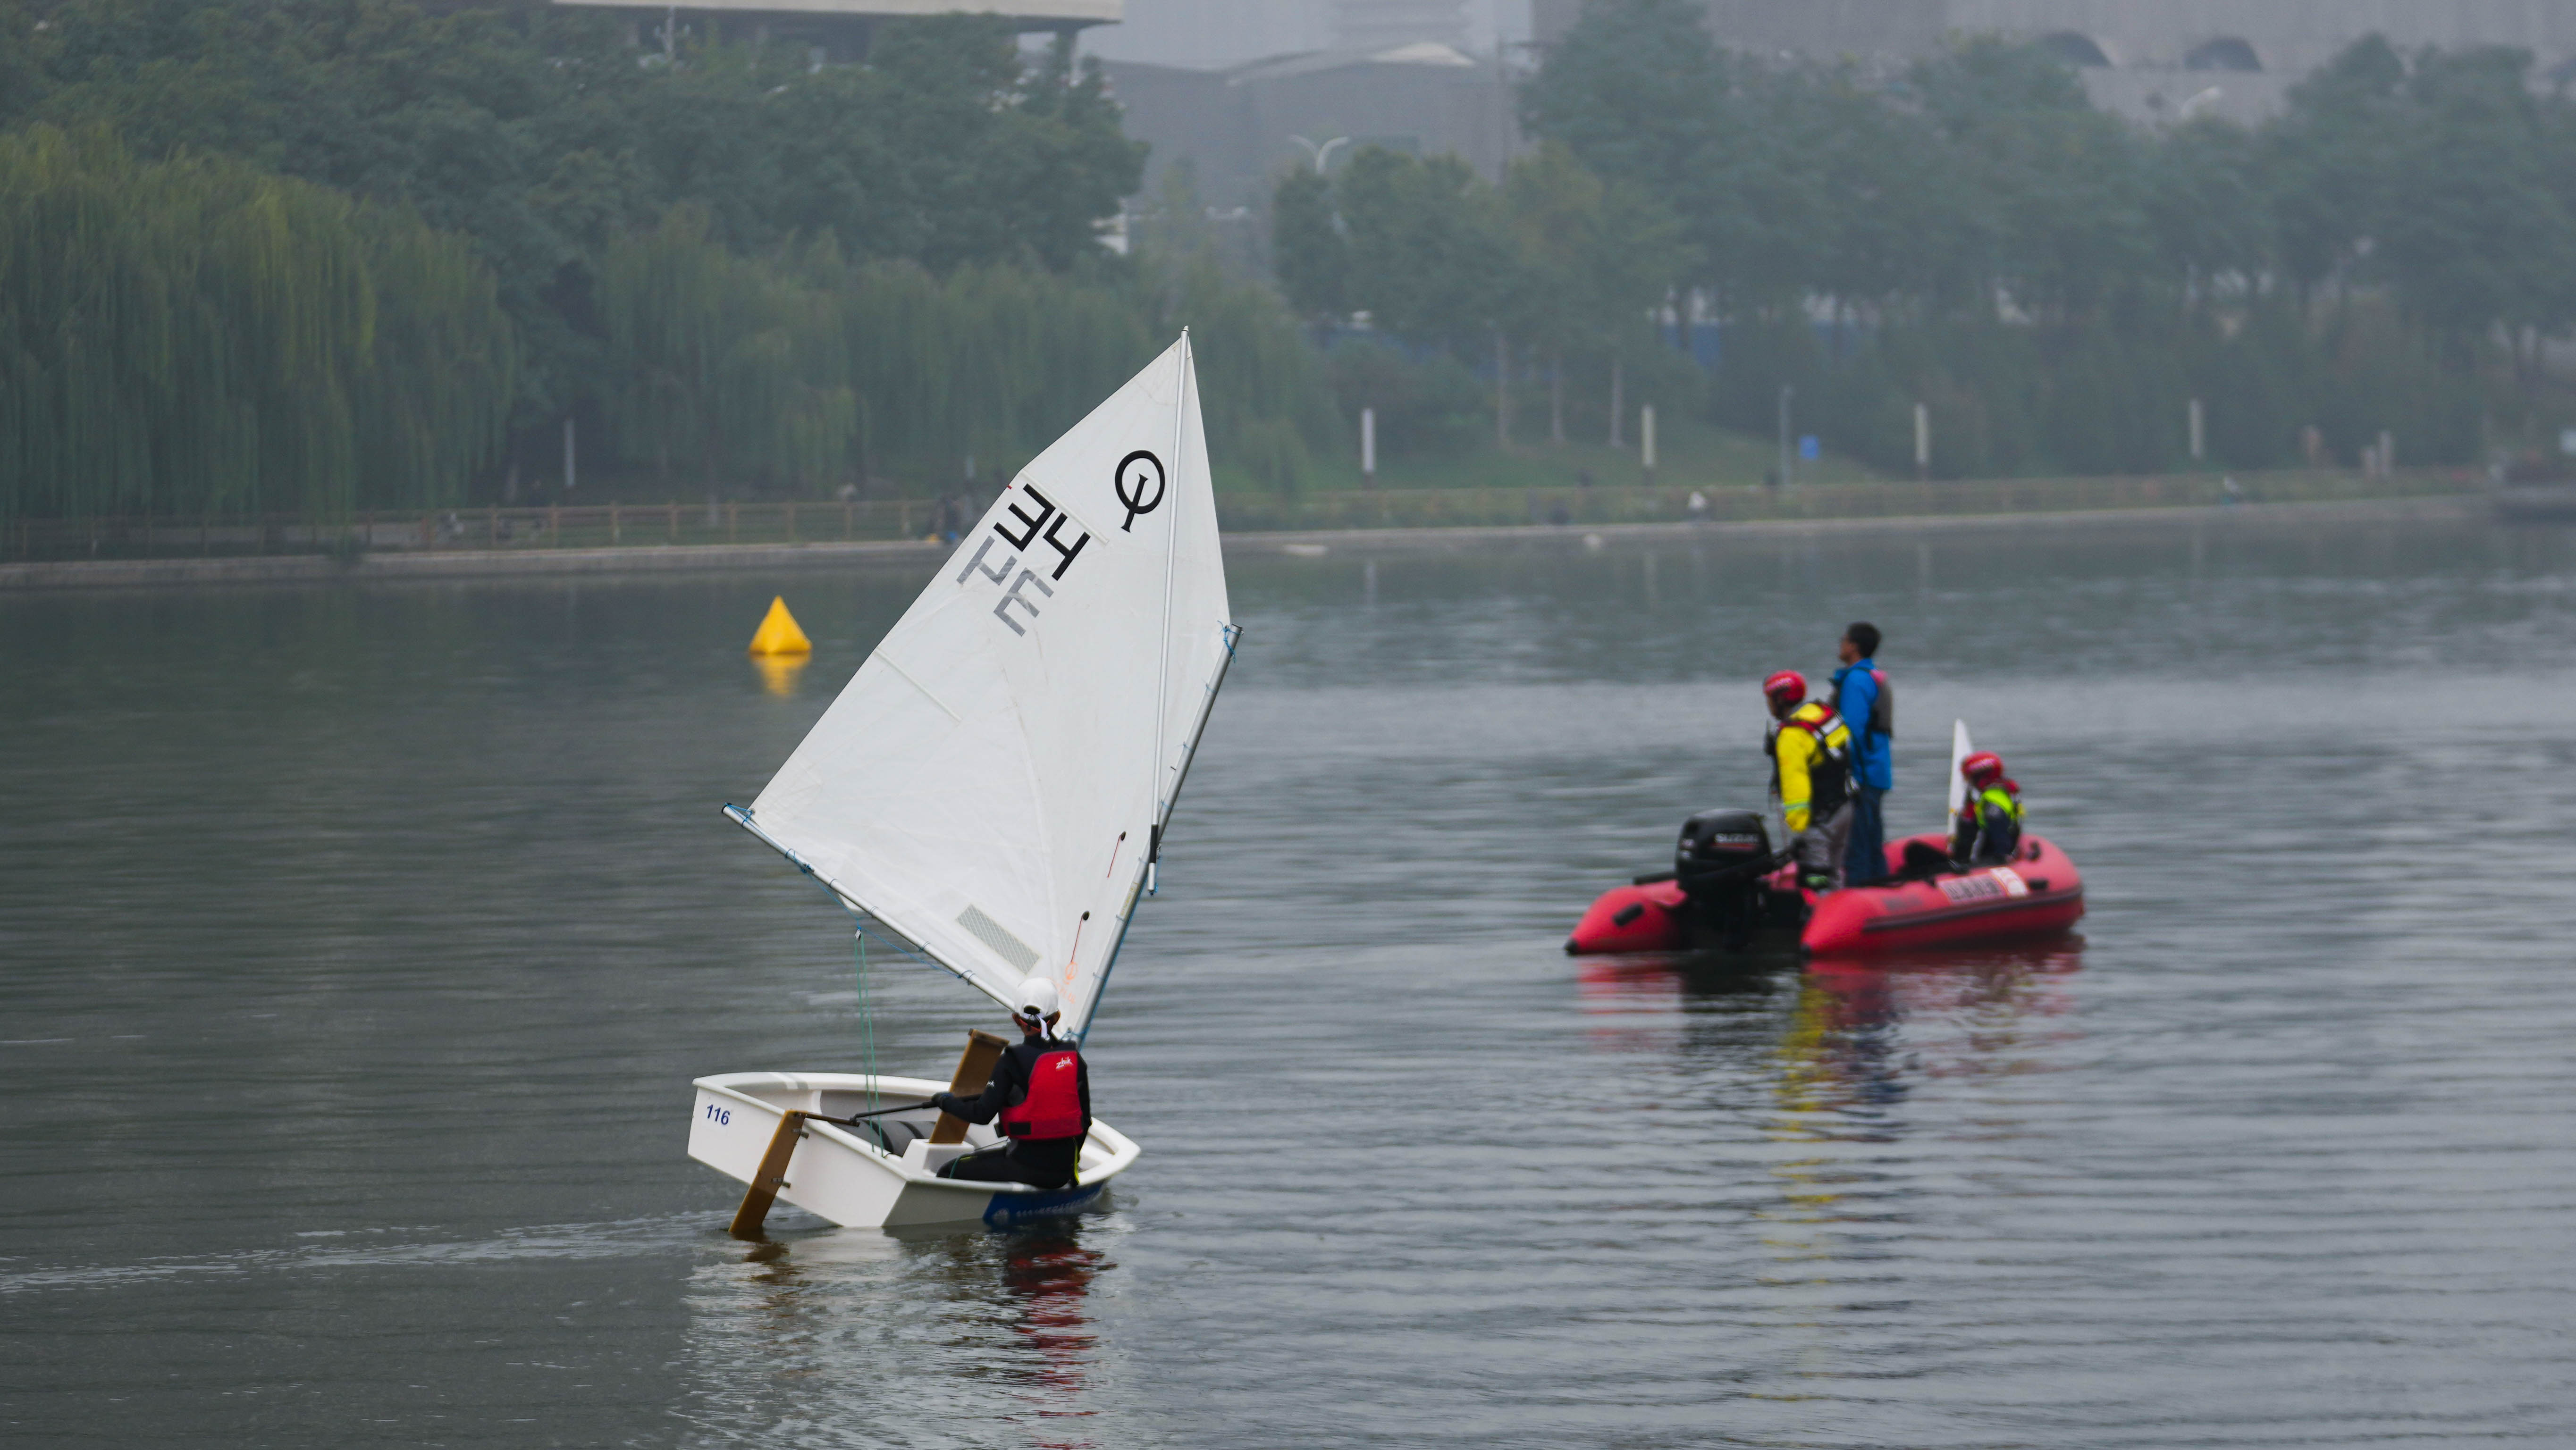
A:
(990, 792)
(1041, 1090)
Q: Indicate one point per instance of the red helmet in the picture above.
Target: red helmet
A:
(1788, 687)
(1982, 769)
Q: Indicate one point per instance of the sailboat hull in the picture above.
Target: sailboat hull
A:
(849, 1177)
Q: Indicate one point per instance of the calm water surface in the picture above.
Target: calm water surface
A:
(357, 947)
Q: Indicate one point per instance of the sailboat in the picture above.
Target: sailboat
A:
(990, 792)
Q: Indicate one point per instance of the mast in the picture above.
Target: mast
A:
(1163, 801)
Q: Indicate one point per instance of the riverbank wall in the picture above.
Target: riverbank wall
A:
(1288, 543)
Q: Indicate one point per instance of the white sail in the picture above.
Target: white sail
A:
(992, 782)
(1960, 750)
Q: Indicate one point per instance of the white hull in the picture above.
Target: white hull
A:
(841, 1176)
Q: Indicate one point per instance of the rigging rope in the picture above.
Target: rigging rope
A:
(867, 1019)
(867, 999)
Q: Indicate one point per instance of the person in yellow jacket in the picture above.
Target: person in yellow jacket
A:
(1810, 750)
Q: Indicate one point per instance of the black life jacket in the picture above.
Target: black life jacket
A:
(1882, 706)
(1829, 776)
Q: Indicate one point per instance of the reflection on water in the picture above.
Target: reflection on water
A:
(1860, 1037)
(1839, 1061)
(1863, 1028)
(1048, 1276)
(869, 1337)
(1630, 1003)
(779, 673)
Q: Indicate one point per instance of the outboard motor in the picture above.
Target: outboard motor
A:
(1715, 840)
(1720, 861)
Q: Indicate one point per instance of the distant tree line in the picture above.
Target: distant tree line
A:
(194, 334)
(806, 367)
(1553, 269)
(739, 271)
(2053, 284)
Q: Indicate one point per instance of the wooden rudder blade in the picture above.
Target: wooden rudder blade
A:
(771, 1177)
(974, 1069)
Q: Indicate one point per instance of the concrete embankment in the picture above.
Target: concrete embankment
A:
(664, 559)
(2442, 508)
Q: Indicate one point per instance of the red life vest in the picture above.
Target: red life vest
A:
(1053, 1107)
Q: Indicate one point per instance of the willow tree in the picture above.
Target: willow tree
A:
(432, 408)
(799, 367)
(733, 366)
(995, 362)
(198, 336)
(989, 362)
(1263, 389)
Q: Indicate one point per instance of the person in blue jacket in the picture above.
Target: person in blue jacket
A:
(1867, 702)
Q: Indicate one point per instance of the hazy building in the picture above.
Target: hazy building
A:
(2146, 59)
(1393, 73)
(1219, 34)
(1212, 34)
(838, 29)
(1240, 126)
(1371, 25)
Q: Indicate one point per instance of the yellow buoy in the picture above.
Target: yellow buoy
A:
(778, 634)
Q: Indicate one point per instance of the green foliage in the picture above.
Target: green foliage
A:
(2054, 285)
(758, 273)
(1430, 254)
(432, 408)
(1554, 265)
(1262, 390)
(1313, 262)
(2479, 229)
(1591, 256)
(194, 335)
(1638, 90)
(1426, 407)
(800, 370)
(533, 132)
(734, 371)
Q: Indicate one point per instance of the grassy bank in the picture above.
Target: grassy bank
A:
(1689, 454)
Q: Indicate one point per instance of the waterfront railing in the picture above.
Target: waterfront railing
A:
(808, 521)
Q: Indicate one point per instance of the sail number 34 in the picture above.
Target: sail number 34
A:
(1140, 485)
(1046, 527)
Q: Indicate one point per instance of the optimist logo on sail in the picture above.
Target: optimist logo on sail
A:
(1135, 471)
(1046, 526)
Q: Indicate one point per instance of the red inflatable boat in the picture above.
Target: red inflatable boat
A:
(2039, 893)
(1652, 917)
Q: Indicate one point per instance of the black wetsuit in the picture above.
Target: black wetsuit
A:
(1038, 1162)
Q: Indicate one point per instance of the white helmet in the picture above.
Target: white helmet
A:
(1035, 1001)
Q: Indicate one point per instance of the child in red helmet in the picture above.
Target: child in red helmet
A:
(1987, 830)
